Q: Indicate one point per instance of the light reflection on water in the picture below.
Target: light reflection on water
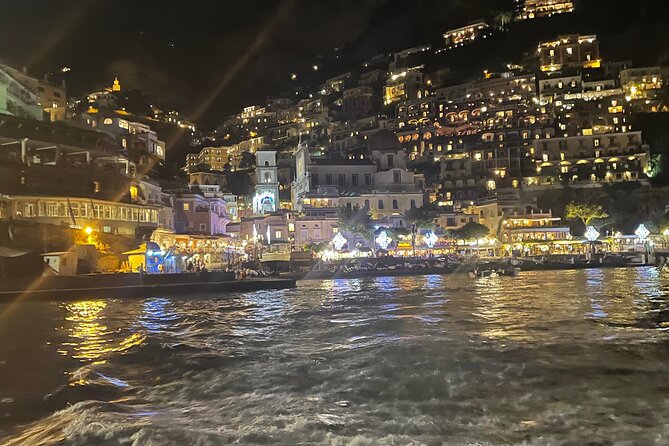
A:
(545, 358)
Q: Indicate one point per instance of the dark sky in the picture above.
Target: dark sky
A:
(185, 51)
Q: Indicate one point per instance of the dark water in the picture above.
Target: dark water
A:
(549, 358)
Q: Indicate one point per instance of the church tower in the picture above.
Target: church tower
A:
(116, 86)
(266, 198)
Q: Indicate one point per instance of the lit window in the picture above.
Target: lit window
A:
(186, 207)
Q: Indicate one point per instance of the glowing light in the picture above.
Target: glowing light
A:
(591, 234)
(430, 239)
(642, 232)
(88, 230)
(339, 241)
(383, 240)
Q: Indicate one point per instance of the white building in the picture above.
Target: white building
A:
(266, 198)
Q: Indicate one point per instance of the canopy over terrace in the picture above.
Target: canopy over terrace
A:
(31, 152)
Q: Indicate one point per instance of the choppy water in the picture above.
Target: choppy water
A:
(549, 358)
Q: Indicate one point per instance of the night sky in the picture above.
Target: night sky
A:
(208, 58)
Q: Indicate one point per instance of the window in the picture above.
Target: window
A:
(107, 229)
(56, 94)
(328, 178)
(268, 177)
(570, 51)
(490, 185)
(391, 161)
(107, 121)
(597, 142)
(395, 204)
(397, 176)
(342, 179)
(413, 204)
(186, 207)
(278, 234)
(203, 226)
(354, 179)
(368, 179)
(551, 53)
(380, 204)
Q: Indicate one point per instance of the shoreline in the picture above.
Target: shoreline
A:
(132, 286)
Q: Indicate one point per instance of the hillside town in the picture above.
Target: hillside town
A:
(549, 154)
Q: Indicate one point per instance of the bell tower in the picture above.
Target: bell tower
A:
(266, 198)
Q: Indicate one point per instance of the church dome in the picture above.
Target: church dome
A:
(384, 140)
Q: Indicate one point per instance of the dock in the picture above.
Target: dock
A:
(133, 286)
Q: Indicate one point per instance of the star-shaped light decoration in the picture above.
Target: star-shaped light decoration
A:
(383, 240)
(430, 239)
(591, 234)
(339, 241)
(642, 232)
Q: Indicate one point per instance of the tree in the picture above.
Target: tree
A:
(248, 160)
(420, 218)
(356, 221)
(585, 212)
(471, 231)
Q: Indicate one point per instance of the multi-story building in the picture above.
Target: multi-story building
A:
(196, 214)
(569, 51)
(55, 178)
(465, 34)
(357, 102)
(402, 85)
(381, 183)
(530, 9)
(534, 233)
(17, 100)
(588, 160)
(51, 97)
(211, 158)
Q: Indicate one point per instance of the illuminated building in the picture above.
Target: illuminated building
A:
(380, 183)
(63, 183)
(266, 198)
(642, 85)
(49, 97)
(196, 214)
(17, 100)
(530, 9)
(137, 138)
(535, 233)
(588, 160)
(569, 51)
(210, 158)
(405, 84)
(465, 34)
(449, 218)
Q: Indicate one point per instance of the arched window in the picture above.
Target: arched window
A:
(268, 177)
(366, 204)
(266, 163)
(413, 204)
(395, 204)
(380, 204)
